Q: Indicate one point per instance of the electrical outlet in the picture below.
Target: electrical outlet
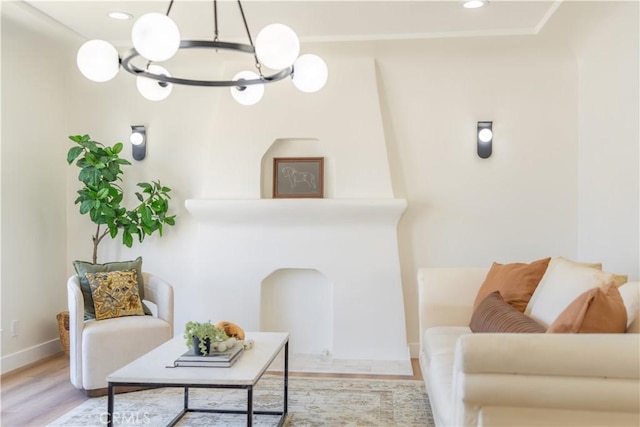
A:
(14, 328)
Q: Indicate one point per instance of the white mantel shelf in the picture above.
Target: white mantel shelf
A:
(292, 212)
(351, 243)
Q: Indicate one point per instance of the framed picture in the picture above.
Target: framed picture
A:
(297, 177)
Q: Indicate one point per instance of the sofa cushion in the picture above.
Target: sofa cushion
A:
(115, 294)
(494, 314)
(563, 282)
(596, 265)
(110, 344)
(442, 339)
(594, 311)
(438, 345)
(516, 282)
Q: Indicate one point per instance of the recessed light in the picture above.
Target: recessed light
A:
(123, 16)
(474, 4)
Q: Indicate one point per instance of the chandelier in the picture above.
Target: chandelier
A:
(156, 38)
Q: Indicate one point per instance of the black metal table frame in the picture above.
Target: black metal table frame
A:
(249, 412)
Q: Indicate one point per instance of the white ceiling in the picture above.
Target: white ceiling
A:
(324, 20)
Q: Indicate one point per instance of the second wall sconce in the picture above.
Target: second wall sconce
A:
(485, 139)
(138, 141)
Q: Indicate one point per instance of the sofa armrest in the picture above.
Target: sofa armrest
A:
(550, 354)
(579, 374)
(446, 295)
(160, 292)
(75, 304)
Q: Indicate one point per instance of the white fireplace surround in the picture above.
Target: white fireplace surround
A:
(351, 242)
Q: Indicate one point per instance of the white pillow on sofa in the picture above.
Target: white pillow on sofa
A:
(562, 283)
(630, 293)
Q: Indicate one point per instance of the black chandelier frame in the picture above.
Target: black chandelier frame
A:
(164, 80)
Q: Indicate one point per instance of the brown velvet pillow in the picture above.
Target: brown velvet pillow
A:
(516, 282)
(494, 314)
(598, 310)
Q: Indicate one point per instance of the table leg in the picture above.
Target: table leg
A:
(286, 378)
(110, 406)
(250, 406)
(186, 398)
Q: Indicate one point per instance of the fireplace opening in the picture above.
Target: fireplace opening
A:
(299, 301)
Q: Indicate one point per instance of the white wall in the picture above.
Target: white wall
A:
(344, 118)
(607, 48)
(518, 205)
(34, 237)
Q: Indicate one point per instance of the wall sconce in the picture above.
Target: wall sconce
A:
(485, 139)
(138, 141)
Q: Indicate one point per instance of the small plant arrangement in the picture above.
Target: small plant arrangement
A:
(101, 196)
(207, 331)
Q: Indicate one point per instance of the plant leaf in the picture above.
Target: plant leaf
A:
(147, 216)
(102, 193)
(73, 154)
(86, 206)
(127, 238)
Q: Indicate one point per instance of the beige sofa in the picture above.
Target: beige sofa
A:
(482, 379)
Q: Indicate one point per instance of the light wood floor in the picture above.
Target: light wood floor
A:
(40, 393)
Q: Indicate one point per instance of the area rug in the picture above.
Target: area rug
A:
(312, 402)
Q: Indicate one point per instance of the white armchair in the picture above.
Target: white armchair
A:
(99, 347)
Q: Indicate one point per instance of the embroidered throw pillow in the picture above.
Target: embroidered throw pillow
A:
(83, 267)
(115, 294)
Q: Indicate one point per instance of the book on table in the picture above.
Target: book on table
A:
(221, 359)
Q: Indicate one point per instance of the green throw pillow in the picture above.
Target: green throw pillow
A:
(83, 267)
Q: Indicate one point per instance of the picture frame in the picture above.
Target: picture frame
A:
(298, 177)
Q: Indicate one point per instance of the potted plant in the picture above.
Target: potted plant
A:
(202, 336)
(101, 196)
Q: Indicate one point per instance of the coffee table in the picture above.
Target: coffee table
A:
(155, 369)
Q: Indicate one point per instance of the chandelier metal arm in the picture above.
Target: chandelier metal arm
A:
(206, 44)
(246, 27)
(215, 20)
(169, 8)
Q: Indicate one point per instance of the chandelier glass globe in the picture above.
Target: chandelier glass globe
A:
(155, 36)
(247, 95)
(310, 73)
(154, 90)
(277, 46)
(98, 60)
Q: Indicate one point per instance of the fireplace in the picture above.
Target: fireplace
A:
(326, 270)
(299, 301)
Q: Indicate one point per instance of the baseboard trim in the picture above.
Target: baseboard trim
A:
(25, 357)
(414, 350)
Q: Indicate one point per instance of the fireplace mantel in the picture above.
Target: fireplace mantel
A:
(350, 243)
(295, 212)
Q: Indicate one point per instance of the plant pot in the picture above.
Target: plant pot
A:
(196, 346)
